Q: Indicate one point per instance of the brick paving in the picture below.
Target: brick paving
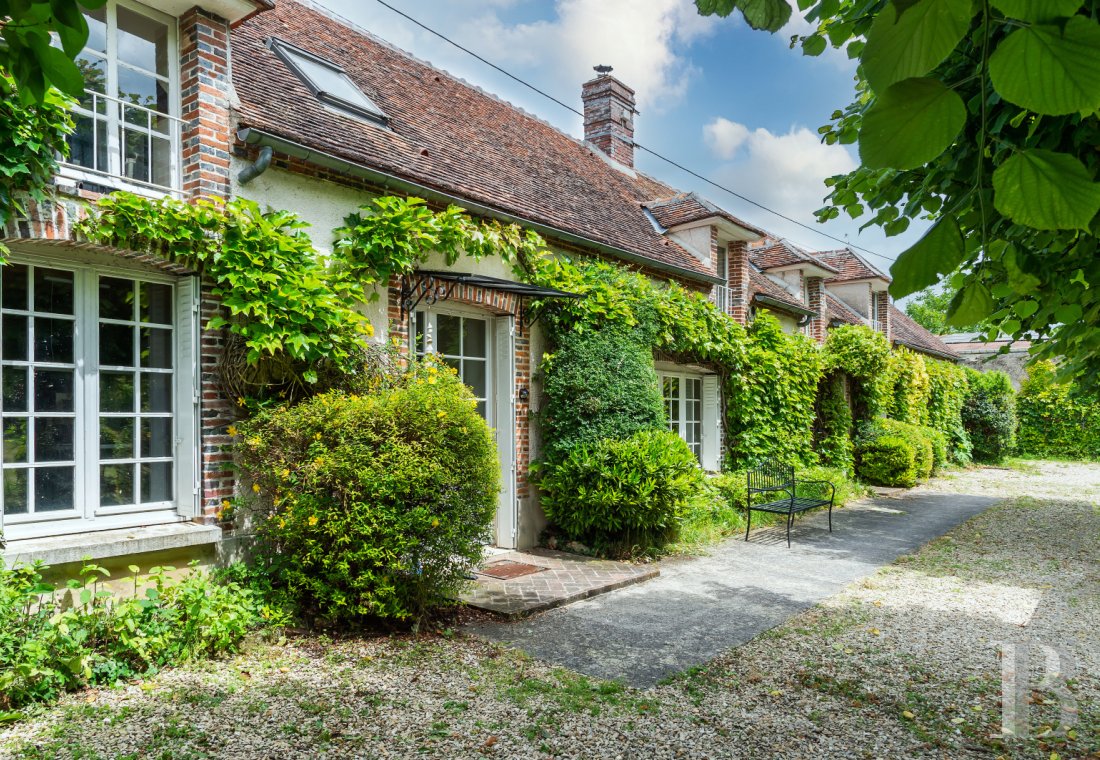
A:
(562, 578)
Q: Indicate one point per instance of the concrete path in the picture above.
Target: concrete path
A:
(698, 608)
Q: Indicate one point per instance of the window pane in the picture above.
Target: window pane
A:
(140, 90)
(94, 70)
(473, 374)
(15, 440)
(142, 41)
(473, 334)
(116, 392)
(332, 82)
(116, 437)
(53, 489)
(15, 389)
(97, 29)
(162, 162)
(53, 390)
(116, 345)
(13, 283)
(116, 484)
(156, 437)
(156, 303)
(53, 340)
(15, 492)
(135, 155)
(53, 291)
(53, 439)
(420, 331)
(156, 482)
(448, 333)
(15, 338)
(82, 147)
(156, 348)
(156, 392)
(116, 298)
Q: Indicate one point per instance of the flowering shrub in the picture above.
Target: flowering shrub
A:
(374, 506)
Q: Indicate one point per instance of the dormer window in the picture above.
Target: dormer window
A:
(127, 123)
(328, 82)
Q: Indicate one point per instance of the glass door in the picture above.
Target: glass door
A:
(463, 343)
(41, 398)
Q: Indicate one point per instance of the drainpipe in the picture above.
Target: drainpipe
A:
(258, 167)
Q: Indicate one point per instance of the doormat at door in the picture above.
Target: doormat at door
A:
(506, 570)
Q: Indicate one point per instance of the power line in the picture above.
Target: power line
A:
(637, 145)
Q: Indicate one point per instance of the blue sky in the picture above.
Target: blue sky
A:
(735, 105)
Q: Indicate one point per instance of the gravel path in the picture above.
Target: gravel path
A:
(902, 664)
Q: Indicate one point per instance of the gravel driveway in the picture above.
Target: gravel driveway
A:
(902, 664)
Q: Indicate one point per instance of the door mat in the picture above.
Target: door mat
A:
(506, 570)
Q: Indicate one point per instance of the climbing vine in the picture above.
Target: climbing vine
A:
(293, 311)
(909, 399)
(31, 138)
(864, 356)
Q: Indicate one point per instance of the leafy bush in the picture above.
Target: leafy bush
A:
(599, 384)
(53, 641)
(863, 355)
(630, 491)
(989, 415)
(911, 387)
(887, 460)
(1057, 419)
(374, 506)
(834, 428)
(948, 385)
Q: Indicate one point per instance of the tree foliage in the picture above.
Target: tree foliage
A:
(981, 117)
(35, 64)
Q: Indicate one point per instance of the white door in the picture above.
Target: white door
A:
(481, 350)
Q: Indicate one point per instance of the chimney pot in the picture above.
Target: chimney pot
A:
(609, 116)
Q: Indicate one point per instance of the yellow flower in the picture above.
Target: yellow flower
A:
(226, 504)
(312, 520)
(441, 414)
(285, 473)
(240, 401)
(254, 441)
(282, 523)
(431, 381)
(317, 437)
(319, 461)
(231, 430)
(435, 523)
(255, 488)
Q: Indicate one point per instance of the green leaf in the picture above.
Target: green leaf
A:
(910, 124)
(714, 7)
(1010, 326)
(1068, 313)
(1025, 309)
(1046, 190)
(60, 71)
(1037, 10)
(971, 305)
(769, 15)
(1048, 69)
(938, 252)
(813, 45)
(914, 43)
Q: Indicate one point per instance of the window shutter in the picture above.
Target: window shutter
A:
(502, 391)
(712, 425)
(188, 397)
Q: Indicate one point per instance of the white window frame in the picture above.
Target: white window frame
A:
(368, 110)
(429, 347)
(707, 449)
(113, 175)
(680, 426)
(87, 514)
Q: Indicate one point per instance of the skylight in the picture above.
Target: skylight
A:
(328, 82)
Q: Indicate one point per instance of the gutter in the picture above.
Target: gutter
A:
(253, 136)
(791, 308)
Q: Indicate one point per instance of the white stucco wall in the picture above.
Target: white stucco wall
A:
(855, 294)
(696, 240)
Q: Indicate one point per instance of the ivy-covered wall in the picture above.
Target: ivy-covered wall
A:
(1057, 419)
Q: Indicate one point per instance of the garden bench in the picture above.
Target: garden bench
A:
(773, 478)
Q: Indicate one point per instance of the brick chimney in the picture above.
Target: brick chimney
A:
(609, 116)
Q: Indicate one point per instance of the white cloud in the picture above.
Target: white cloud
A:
(725, 137)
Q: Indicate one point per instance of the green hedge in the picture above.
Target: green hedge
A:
(883, 460)
(374, 506)
(1057, 420)
(622, 492)
(989, 415)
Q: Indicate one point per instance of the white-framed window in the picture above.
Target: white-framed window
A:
(328, 82)
(691, 405)
(128, 129)
(98, 401)
(464, 342)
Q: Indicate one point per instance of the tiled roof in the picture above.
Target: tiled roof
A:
(911, 335)
(851, 266)
(761, 285)
(783, 254)
(445, 134)
(840, 311)
(684, 208)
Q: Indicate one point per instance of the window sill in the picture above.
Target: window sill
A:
(59, 550)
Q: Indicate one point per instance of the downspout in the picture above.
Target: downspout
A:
(258, 167)
(253, 136)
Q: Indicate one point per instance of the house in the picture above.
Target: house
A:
(116, 424)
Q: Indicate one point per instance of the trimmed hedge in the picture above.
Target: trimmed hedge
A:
(880, 459)
(989, 415)
(1056, 419)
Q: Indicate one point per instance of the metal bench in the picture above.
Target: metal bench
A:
(773, 477)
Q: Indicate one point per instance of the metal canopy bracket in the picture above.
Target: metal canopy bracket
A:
(431, 287)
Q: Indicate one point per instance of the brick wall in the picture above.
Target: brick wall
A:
(609, 117)
(882, 313)
(815, 301)
(204, 107)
